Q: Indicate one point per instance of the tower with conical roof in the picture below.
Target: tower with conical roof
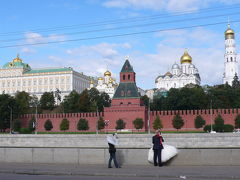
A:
(126, 103)
(230, 57)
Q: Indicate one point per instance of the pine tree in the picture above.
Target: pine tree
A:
(48, 125)
(235, 82)
(138, 123)
(64, 125)
(177, 122)
(82, 125)
(199, 122)
(237, 122)
(120, 124)
(157, 124)
(219, 123)
(101, 123)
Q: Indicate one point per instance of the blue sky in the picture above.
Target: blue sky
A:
(153, 53)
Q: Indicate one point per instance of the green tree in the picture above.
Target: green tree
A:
(199, 122)
(47, 101)
(157, 124)
(219, 123)
(101, 123)
(64, 125)
(71, 102)
(48, 125)
(235, 82)
(177, 122)
(145, 100)
(138, 123)
(8, 109)
(237, 121)
(23, 100)
(85, 104)
(82, 125)
(31, 124)
(120, 124)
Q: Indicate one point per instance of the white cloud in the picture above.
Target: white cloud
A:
(169, 5)
(33, 37)
(28, 50)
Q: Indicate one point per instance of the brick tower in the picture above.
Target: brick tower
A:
(126, 103)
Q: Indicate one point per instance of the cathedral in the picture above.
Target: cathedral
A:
(180, 75)
(105, 84)
(230, 57)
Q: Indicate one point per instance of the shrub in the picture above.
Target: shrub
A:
(64, 125)
(228, 128)
(138, 123)
(48, 125)
(25, 131)
(120, 124)
(157, 124)
(207, 128)
(177, 122)
(82, 125)
(199, 122)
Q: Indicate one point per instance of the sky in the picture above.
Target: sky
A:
(95, 35)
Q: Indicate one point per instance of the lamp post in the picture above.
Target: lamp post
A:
(36, 118)
(10, 132)
(211, 114)
(149, 116)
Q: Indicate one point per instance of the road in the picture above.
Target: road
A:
(70, 177)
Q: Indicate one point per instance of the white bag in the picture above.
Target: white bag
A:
(167, 153)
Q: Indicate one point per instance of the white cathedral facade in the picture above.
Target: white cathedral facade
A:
(230, 57)
(180, 75)
(19, 76)
(106, 84)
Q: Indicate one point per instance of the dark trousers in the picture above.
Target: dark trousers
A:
(112, 157)
(157, 155)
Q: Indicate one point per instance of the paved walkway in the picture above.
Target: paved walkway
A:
(182, 172)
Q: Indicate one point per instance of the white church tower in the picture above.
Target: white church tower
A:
(231, 61)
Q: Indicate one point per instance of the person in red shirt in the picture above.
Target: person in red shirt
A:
(157, 140)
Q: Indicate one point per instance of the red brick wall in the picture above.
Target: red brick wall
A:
(129, 113)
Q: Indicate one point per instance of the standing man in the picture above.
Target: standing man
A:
(157, 148)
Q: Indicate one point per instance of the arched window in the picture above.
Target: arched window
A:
(231, 59)
(123, 77)
(129, 77)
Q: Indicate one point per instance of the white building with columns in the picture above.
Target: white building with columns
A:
(106, 84)
(180, 75)
(18, 76)
(230, 57)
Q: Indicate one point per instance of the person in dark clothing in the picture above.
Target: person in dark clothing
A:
(112, 151)
(157, 140)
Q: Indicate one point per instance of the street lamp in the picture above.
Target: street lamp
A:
(149, 116)
(36, 118)
(10, 119)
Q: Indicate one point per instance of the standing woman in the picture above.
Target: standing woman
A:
(157, 148)
(112, 141)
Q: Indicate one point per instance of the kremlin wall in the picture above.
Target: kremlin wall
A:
(126, 105)
(129, 115)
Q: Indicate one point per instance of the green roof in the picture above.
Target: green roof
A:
(34, 71)
(16, 65)
(127, 67)
(126, 90)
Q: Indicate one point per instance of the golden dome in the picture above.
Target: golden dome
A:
(100, 78)
(107, 73)
(91, 82)
(186, 58)
(17, 59)
(229, 33)
(168, 74)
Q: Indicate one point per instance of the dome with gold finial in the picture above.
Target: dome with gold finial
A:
(186, 58)
(100, 78)
(229, 33)
(17, 59)
(107, 73)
